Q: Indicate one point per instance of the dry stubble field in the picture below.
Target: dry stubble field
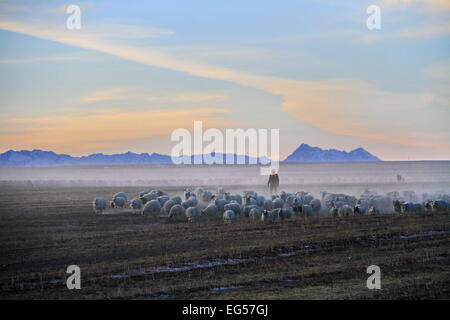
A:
(123, 256)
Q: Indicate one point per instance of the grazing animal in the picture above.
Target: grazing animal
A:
(287, 213)
(211, 210)
(308, 198)
(359, 210)
(398, 206)
(277, 214)
(246, 210)
(206, 196)
(297, 205)
(268, 204)
(163, 199)
(438, 205)
(229, 216)
(428, 205)
(345, 211)
(136, 204)
(99, 204)
(193, 200)
(410, 207)
(152, 207)
(149, 197)
(250, 201)
(236, 197)
(255, 213)
(267, 216)
(233, 206)
(167, 206)
(220, 203)
(334, 212)
(120, 194)
(282, 213)
(118, 202)
(192, 213)
(260, 201)
(374, 210)
(278, 203)
(177, 200)
(176, 213)
(316, 205)
(188, 193)
(306, 210)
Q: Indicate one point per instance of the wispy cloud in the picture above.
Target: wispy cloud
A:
(102, 129)
(428, 4)
(104, 95)
(197, 97)
(125, 32)
(427, 31)
(39, 59)
(342, 106)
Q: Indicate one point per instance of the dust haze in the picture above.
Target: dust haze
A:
(350, 178)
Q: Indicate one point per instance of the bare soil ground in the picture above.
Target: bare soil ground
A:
(126, 256)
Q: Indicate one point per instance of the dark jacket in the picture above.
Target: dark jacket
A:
(274, 180)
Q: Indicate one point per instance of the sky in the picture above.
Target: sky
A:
(137, 70)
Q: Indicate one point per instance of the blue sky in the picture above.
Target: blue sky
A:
(137, 70)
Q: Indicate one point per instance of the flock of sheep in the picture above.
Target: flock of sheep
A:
(253, 206)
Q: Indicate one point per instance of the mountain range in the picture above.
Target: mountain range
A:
(306, 153)
(39, 158)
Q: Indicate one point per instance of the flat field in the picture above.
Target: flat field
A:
(124, 256)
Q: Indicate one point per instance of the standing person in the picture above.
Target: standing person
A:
(274, 182)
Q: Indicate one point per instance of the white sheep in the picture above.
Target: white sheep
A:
(99, 205)
(193, 200)
(118, 202)
(149, 197)
(163, 199)
(307, 210)
(268, 204)
(167, 206)
(229, 216)
(237, 198)
(359, 210)
(246, 209)
(345, 211)
(120, 194)
(373, 210)
(316, 205)
(207, 196)
(211, 210)
(188, 193)
(260, 201)
(220, 203)
(177, 200)
(267, 216)
(152, 207)
(278, 203)
(136, 204)
(176, 212)
(255, 213)
(192, 213)
(233, 206)
(282, 213)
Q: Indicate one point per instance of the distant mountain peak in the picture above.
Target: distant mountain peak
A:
(307, 153)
